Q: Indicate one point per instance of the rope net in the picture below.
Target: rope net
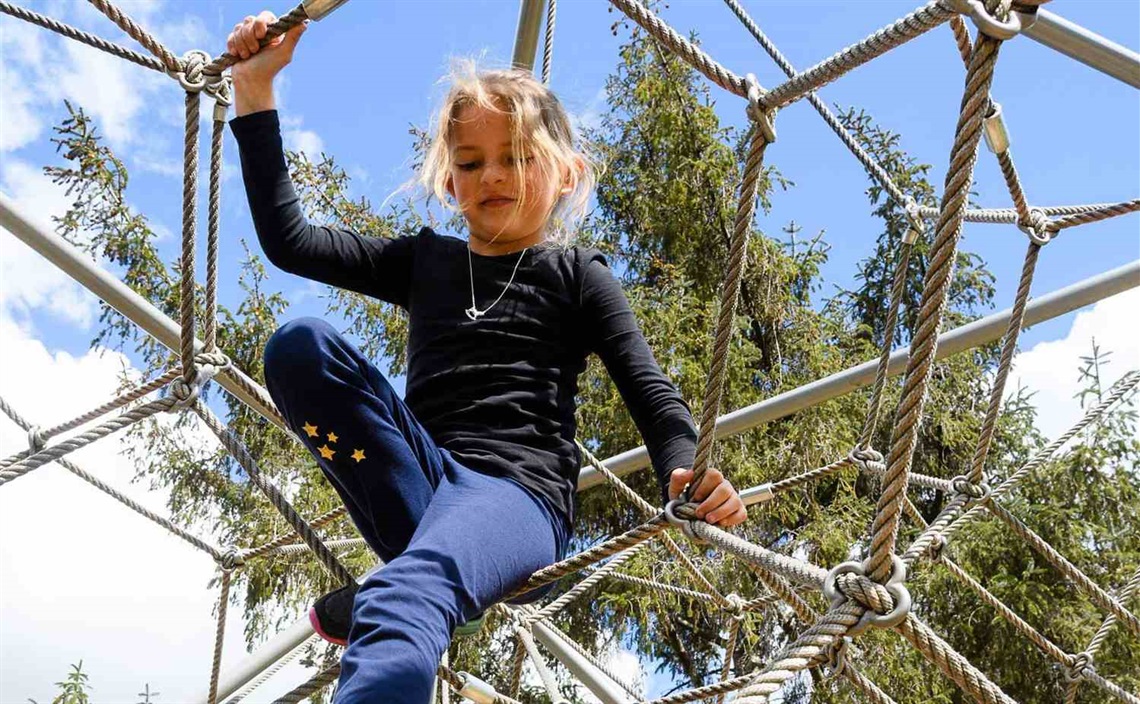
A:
(860, 595)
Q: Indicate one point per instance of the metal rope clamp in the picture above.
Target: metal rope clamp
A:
(191, 77)
(685, 525)
(1017, 22)
(1038, 229)
(914, 217)
(964, 487)
(231, 560)
(736, 604)
(894, 585)
(765, 120)
(837, 658)
(37, 441)
(1080, 667)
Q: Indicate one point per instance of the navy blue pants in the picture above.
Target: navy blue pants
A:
(455, 541)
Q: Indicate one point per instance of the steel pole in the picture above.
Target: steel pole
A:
(1089, 48)
(116, 294)
(526, 34)
(959, 339)
(594, 680)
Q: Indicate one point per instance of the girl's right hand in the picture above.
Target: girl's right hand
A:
(260, 64)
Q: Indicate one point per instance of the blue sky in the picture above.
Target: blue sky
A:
(372, 68)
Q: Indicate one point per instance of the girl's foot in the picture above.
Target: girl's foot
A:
(331, 615)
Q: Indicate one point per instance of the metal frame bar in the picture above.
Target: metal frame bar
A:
(526, 34)
(959, 339)
(1086, 46)
(73, 262)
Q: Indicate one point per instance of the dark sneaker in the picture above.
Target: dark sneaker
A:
(331, 615)
(471, 627)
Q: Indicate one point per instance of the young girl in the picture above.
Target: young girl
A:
(467, 486)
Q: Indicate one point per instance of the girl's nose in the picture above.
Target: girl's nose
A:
(494, 173)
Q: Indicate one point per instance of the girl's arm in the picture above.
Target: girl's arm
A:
(661, 415)
(375, 266)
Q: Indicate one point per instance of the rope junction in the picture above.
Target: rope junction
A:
(871, 593)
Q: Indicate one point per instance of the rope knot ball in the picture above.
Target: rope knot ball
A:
(36, 439)
(963, 486)
(887, 605)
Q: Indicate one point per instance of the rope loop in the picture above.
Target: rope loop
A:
(866, 593)
(836, 658)
(222, 91)
(36, 439)
(736, 605)
(1017, 21)
(191, 77)
(963, 486)
(914, 216)
(765, 120)
(685, 525)
(231, 560)
(1080, 667)
(1038, 227)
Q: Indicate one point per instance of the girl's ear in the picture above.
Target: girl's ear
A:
(570, 176)
(450, 186)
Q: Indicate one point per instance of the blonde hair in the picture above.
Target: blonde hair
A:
(539, 125)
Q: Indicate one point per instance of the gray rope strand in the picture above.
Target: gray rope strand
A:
(189, 226)
(210, 324)
(898, 287)
(951, 663)
(121, 498)
(283, 24)
(807, 651)
(737, 260)
(1008, 216)
(517, 669)
(219, 635)
(788, 567)
(1005, 363)
(290, 537)
(241, 454)
(1101, 633)
(1100, 597)
(913, 25)
(544, 673)
(586, 584)
(314, 684)
(729, 652)
(273, 670)
(650, 510)
(1122, 387)
(80, 36)
(873, 167)
(661, 587)
(548, 43)
(935, 290)
(169, 60)
(705, 692)
(682, 47)
(54, 452)
(1096, 214)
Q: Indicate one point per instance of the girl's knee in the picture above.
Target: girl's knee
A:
(297, 346)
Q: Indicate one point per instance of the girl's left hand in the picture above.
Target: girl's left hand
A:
(720, 504)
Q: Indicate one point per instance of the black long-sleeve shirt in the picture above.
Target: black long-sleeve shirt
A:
(498, 393)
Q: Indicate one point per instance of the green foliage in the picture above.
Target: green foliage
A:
(665, 206)
(74, 689)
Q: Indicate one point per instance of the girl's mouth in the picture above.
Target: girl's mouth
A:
(498, 202)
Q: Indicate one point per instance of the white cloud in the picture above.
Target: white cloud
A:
(1050, 368)
(27, 280)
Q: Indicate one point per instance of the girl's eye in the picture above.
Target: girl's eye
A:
(469, 166)
(525, 159)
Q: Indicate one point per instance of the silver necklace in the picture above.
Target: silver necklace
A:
(473, 312)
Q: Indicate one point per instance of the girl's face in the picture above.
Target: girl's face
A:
(485, 184)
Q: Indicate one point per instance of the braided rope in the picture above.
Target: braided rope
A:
(210, 324)
(287, 538)
(1100, 597)
(1096, 214)
(1008, 216)
(283, 24)
(219, 635)
(1005, 363)
(313, 685)
(169, 60)
(189, 227)
(586, 584)
(272, 670)
(548, 41)
(924, 344)
(80, 36)
(729, 652)
(54, 452)
(913, 25)
(1102, 632)
(682, 47)
(650, 510)
(734, 272)
(951, 662)
(517, 669)
(868, 162)
(241, 454)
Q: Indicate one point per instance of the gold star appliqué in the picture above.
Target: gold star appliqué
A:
(326, 452)
(358, 455)
(332, 437)
(310, 430)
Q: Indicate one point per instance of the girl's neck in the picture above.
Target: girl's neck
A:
(499, 248)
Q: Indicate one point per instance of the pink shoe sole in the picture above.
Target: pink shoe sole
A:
(316, 624)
